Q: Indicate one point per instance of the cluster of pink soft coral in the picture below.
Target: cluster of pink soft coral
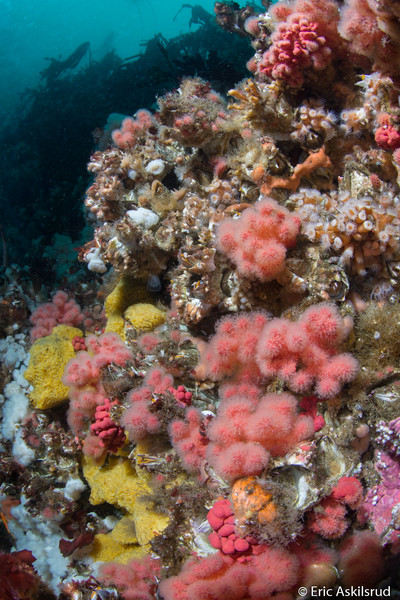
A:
(231, 350)
(82, 376)
(276, 572)
(85, 367)
(328, 518)
(189, 439)
(251, 427)
(111, 435)
(220, 577)
(131, 129)
(182, 396)
(303, 354)
(61, 310)
(387, 137)
(258, 240)
(372, 29)
(224, 537)
(138, 420)
(297, 45)
(187, 126)
(79, 343)
(305, 39)
(135, 581)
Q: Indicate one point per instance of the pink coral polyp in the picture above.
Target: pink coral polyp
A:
(258, 240)
(296, 46)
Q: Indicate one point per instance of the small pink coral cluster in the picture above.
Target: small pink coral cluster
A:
(306, 39)
(60, 311)
(258, 240)
(132, 129)
(220, 577)
(137, 580)
(372, 28)
(83, 376)
(182, 395)
(297, 45)
(189, 439)
(387, 137)
(224, 537)
(328, 518)
(251, 427)
(111, 435)
(138, 420)
(304, 354)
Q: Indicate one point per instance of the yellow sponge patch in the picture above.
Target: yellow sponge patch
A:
(148, 522)
(118, 484)
(125, 531)
(105, 548)
(116, 324)
(48, 357)
(127, 291)
(144, 317)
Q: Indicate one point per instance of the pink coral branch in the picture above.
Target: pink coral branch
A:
(258, 240)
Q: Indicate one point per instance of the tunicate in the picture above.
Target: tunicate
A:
(153, 283)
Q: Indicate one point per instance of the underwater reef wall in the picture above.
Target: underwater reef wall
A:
(219, 419)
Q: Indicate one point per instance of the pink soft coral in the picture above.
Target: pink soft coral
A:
(258, 240)
(372, 29)
(82, 376)
(138, 420)
(189, 439)
(297, 45)
(225, 535)
(218, 577)
(304, 353)
(305, 39)
(247, 431)
(132, 129)
(61, 310)
(231, 350)
(111, 435)
(135, 580)
(328, 517)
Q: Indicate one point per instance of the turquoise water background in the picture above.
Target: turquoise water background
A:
(31, 31)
